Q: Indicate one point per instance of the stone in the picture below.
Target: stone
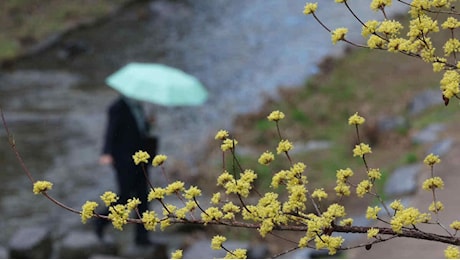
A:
(403, 180)
(428, 134)
(84, 244)
(3, 253)
(442, 147)
(424, 100)
(31, 242)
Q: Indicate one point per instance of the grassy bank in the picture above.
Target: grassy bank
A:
(25, 23)
(374, 83)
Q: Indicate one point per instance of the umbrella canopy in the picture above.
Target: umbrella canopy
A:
(159, 84)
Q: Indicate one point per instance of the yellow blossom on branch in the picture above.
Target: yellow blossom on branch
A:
(356, 119)
(376, 5)
(431, 159)
(215, 199)
(310, 8)
(150, 220)
(132, 203)
(88, 210)
(221, 135)
(174, 187)
(436, 206)
(396, 205)
(363, 187)
(284, 146)
(372, 212)
(42, 186)
(238, 253)
(141, 156)
(176, 254)
(275, 116)
(361, 149)
(228, 144)
(157, 193)
(374, 174)
(159, 160)
(319, 194)
(372, 232)
(266, 158)
(433, 183)
(455, 225)
(192, 192)
(118, 215)
(109, 197)
(338, 34)
(452, 252)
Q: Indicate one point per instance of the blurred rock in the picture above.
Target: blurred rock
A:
(428, 134)
(33, 242)
(81, 244)
(442, 147)
(403, 181)
(424, 100)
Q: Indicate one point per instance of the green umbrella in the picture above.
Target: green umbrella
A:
(159, 84)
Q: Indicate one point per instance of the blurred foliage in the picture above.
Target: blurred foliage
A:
(24, 23)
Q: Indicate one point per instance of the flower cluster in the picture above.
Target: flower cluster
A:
(159, 160)
(356, 119)
(408, 217)
(141, 157)
(42, 186)
(361, 149)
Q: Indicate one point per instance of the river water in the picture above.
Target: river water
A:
(55, 102)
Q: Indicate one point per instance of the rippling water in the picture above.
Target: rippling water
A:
(243, 52)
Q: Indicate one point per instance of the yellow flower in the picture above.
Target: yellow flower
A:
(228, 144)
(157, 193)
(109, 197)
(449, 83)
(215, 198)
(176, 254)
(369, 28)
(374, 174)
(390, 27)
(331, 243)
(375, 42)
(451, 23)
(379, 4)
(436, 207)
(141, 156)
(210, 214)
(431, 159)
(150, 220)
(217, 241)
(346, 222)
(221, 135)
(397, 205)
(225, 178)
(372, 212)
(407, 217)
(238, 253)
(132, 203)
(452, 252)
(165, 223)
(433, 183)
(343, 174)
(42, 186)
(275, 116)
(87, 210)
(356, 119)
(230, 207)
(284, 146)
(310, 8)
(266, 158)
(372, 232)
(361, 149)
(319, 194)
(338, 35)
(159, 160)
(342, 189)
(192, 192)
(455, 225)
(174, 187)
(118, 215)
(363, 187)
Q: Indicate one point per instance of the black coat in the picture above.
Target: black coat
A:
(123, 137)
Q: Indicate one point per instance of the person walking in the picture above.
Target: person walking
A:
(125, 134)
